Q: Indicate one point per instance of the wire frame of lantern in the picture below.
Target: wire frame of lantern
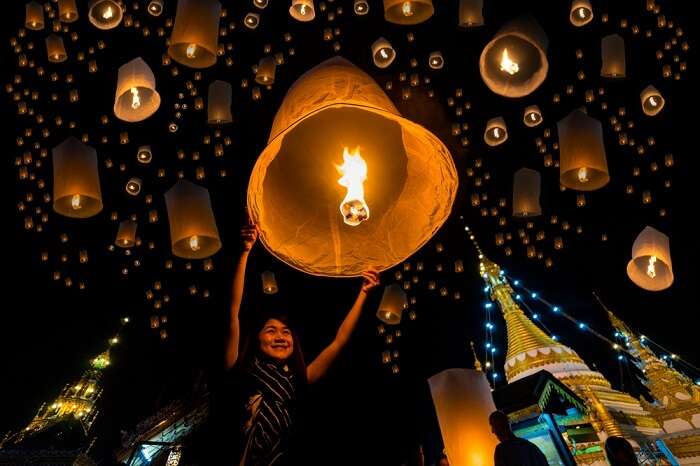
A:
(194, 41)
(105, 14)
(408, 12)
(136, 97)
(650, 267)
(582, 162)
(463, 404)
(155, 7)
(302, 10)
(383, 54)
(269, 282)
(193, 231)
(219, 102)
(581, 12)
(652, 101)
(55, 49)
(309, 216)
(361, 7)
(266, 71)
(392, 305)
(526, 193)
(126, 235)
(435, 60)
(471, 13)
(34, 16)
(76, 181)
(532, 116)
(67, 11)
(496, 132)
(613, 63)
(514, 63)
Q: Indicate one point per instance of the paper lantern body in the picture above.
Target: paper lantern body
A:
(526, 45)
(191, 217)
(67, 11)
(652, 101)
(582, 162)
(496, 132)
(194, 41)
(269, 283)
(302, 10)
(136, 98)
(34, 18)
(294, 194)
(219, 103)
(463, 403)
(105, 14)
(581, 12)
(126, 235)
(407, 12)
(612, 50)
(471, 13)
(55, 49)
(383, 54)
(526, 193)
(394, 301)
(266, 71)
(650, 267)
(76, 181)
(532, 116)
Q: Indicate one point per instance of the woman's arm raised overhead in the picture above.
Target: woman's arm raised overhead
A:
(249, 234)
(320, 365)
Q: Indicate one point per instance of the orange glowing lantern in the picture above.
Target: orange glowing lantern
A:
(650, 267)
(652, 101)
(463, 403)
(126, 235)
(194, 41)
(496, 132)
(532, 116)
(219, 103)
(514, 63)
(269, 282)
(581, 12)
(55, 49)
(526, 193)
(266, 71)
(612, 49)
(67, 11)
(383, 53)
(34, 18)
(336, 122)
(193, 231)
(105, 14)
(393, 303)
(471, 13)
(76, 181)
(582, 162)
(407, 12)
(302, 10)
(136, 97)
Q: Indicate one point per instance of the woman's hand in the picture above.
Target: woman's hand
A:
(249, 235)
(370, 279)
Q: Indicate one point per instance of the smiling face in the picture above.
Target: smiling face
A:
(276, 340)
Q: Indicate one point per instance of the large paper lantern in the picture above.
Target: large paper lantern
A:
(335, 118)
(219, 103)
(650, 267)
(652, 101)
(514, 63)
(55, 49)
(582, 162)
(407, 12)
(194, 41)
(34, 18)
(136, 98)
(391, 307)
(471, 13)
(302, 10)
(76, 181)
(581, 12)
(105, 14)
(612, 51)
(526, 193)
(463, 403)
(193, 231)
(67, 11)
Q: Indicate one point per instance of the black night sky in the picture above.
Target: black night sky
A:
(361, 412)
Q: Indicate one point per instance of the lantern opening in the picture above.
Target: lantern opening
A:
(354, 173)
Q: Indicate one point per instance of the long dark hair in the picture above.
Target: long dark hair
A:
(251, 345)
(620, 452)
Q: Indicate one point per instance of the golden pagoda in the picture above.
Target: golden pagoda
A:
(530, 350)
(676, 404)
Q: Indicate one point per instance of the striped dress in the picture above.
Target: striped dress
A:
(269, 403)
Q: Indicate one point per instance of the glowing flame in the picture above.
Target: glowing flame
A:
(135, 99)
(302, 10)
(533, 116)
(582, 13)
(652, 101)
(407, 9)
(354, 172)
(75, 202)
(508, 65)
(194, 243)
(108, 13)
(651, 268)
(497, 133)
(191, 49)
(384, 53)
(583, 175)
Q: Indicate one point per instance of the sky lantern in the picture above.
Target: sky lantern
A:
(302, 10)
(496, 132)
(76, 181)
(526, 193)
(471, 13)
(105, 14)
(407, 12)
(269, 282)
(193, 231)
(532, 116)
(34, 18)
(392, 305)
(383, 54)
(195, 36)
(345, 182)
(67, 11)
(582, 162)
(514, 63)
(463, 403)
(126, 234)
(650, 267)
(136, 97)
(581, 12)
(219, 103)
(55, 49)
(612, 50)
(652, 101)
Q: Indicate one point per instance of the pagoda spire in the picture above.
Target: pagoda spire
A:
(477, 364)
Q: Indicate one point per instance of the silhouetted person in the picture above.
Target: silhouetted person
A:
(513, 451)
(620, 452)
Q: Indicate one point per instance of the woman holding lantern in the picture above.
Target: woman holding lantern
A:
(269, 372)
